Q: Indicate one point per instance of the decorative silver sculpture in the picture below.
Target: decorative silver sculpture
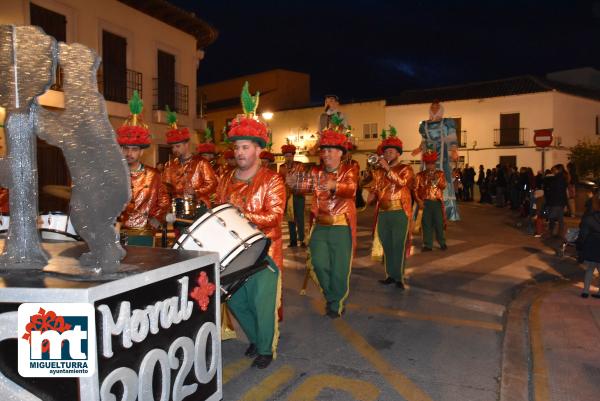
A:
(100, 178)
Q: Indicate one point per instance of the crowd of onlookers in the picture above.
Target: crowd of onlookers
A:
(543, 199)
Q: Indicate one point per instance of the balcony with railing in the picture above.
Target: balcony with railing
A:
(175, 96)
(509, 136)
(117, 89)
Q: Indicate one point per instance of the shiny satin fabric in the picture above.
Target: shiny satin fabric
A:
(149, 198)
(354, 164)
(284, 170)
(4, 201)
(332, 203)
(222, 170)
(194, 175)
(396, 184)
(262, 201)
(430, 186)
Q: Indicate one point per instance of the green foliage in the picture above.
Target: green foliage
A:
(336, 120)
(586, 157)
(383, 134)
(393, 132)
(135, 103)
(208, 135)
(171, 116)
(249, 102)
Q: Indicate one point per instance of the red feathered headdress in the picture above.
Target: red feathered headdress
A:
(333, 139)
(288, 148)
(207, 147)
(266, 155)
(391, 141)
(134, 132)
(430, 156)
(246, 126)
(175, 134)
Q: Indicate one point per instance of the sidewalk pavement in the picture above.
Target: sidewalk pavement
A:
(565, 345)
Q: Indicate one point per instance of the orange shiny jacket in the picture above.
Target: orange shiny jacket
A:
(149, 198)
(284, 170)
(262, 201)
(396, 184)
(4, 201)
(339, 202)
(194, 175)
(430, 186)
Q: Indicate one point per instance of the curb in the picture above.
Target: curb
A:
(518, 379)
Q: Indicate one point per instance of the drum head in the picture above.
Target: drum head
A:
(245, 256)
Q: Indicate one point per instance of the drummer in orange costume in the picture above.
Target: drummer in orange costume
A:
(207, 150)
(294, 208)
(187, 174)
(229, 165)
(259, 193)
(333, 238)
(149, 201)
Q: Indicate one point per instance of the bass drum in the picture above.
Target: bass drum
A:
(225, 230)
(57, 226)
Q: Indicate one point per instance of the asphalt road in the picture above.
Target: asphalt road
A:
(441, 339)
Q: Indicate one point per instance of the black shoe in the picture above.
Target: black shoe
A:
(595, 295)
(292, 245)
(399, 285)
(387, 281)
(262, 361)
(251, 352)
(444, 247)
(584, 295)
(426, 249)
(302, 244)
(331, 314)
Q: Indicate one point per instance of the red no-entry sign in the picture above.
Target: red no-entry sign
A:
(543, 137)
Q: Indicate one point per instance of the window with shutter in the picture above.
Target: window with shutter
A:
(166, 80)
(114, 67)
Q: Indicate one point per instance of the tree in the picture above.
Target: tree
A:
(586, 157)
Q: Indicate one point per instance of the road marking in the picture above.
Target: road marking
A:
(402, 384)
(311, 388)
(234, 369)
(462, 259)
(489, 308)
(431, 318)
(266, 388)
(540, 370)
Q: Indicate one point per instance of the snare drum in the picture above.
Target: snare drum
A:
(184, 208)
(57, 226)
(240, 244)
(4, 223)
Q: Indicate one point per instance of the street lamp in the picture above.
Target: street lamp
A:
(267, 115)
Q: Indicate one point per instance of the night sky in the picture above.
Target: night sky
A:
(361, 49)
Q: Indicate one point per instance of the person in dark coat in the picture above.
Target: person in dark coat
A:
(588, 249)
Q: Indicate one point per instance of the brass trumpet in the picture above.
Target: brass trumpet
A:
(373, 160)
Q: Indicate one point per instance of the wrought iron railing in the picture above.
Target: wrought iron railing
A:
(176, 97)
(509, 136)
(120, 91)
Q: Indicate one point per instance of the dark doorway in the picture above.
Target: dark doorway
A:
(52, 170)
(508, 161)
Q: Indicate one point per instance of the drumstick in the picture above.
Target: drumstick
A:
(306, 277)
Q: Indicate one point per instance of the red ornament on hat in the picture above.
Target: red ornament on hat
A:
(246, 126)
(391, 141)
(175, 135)
(134, 132)
(430, 156)
(208, 146)
(288, 148)
(266, 155)
(229, 154)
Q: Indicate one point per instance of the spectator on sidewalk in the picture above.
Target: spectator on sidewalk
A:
(588, 246)
(555, 193)
(572, 187)
(501, 185)
(469, 182)
(481, 184)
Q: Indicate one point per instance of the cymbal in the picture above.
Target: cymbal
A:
(59, 191)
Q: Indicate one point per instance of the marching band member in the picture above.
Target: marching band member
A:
(393, 189)
(267, 159)
(429, 193)
(259, 193)
(333, 237)
(186, 174)
(149, 200)
(294, 206)
(229, 165)
(207, 150)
